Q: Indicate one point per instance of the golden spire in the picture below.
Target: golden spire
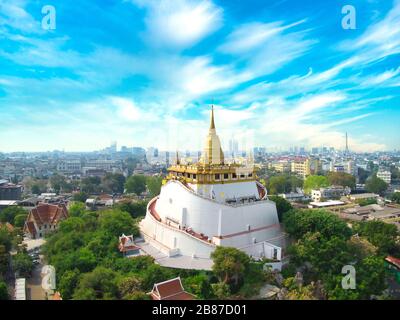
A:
(212, 124)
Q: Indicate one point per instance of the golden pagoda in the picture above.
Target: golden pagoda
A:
(211, 168)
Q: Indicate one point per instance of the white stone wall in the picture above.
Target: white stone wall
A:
(215, 219)
(172, 242)
(221, 192)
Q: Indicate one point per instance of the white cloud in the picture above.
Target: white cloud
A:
(380, 40)
(252, 35)
(266, 47)
(127, 109)
(180, 23)
(13, 15)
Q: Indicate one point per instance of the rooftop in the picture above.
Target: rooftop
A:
(170, 290)
(327, 203)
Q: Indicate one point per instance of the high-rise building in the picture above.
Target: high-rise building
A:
(385, 175)
(233, 148)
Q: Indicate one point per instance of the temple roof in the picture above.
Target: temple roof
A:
(212, 124)
(212, 152)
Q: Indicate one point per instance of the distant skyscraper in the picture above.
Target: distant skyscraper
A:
(113, 147)
(233, 148)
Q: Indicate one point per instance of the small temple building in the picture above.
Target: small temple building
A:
(43, 219)
(170, 290)
(127, 246)
(212, 203)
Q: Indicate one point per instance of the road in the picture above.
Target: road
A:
(34, 290)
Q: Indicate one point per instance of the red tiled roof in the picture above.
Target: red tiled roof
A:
(57, 296)
(31, 227)
(49, 213)
(393, 260)
(45, 213)
(170, 290)
(124, 243)
(128, 248)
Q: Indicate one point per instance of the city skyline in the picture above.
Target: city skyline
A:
(139, 73)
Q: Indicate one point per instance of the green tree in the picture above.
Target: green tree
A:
(68, 283)
(154, 274)
(137, 295)
(380, 234)
(80, 197)
(341, 179)
(101, 284)
(283, 183)
(134, 208)
(83, 259)
(3, 291)
(315, 182)
(59, 183)
(20, 219)
(136, 184)
(154, 185)
(298, 292)
(76, 209)
(229, 263)
(221, 290)
(35, 189)
(22, 264)
(370, 280)
(91, 185)
(367, 202)
(5, 238)
(199, 285)
(277, 184)
(362, 175)
(116, 222)
(8, 214)
(299, 222)
(129, 286)
(282, 205)
(395, 172)
(113, 183)
(325, 255)
(376, 185)
(4, 258)
(396, 197)
(371, 276)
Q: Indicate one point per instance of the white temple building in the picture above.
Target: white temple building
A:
(207, 204)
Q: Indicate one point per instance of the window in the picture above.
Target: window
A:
(226, 176)
(194, 176)
(250, 175)
(234, 176)
(217, 177)
(40, 228)
(242, 176)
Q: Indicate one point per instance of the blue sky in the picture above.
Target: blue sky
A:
(144, 73)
